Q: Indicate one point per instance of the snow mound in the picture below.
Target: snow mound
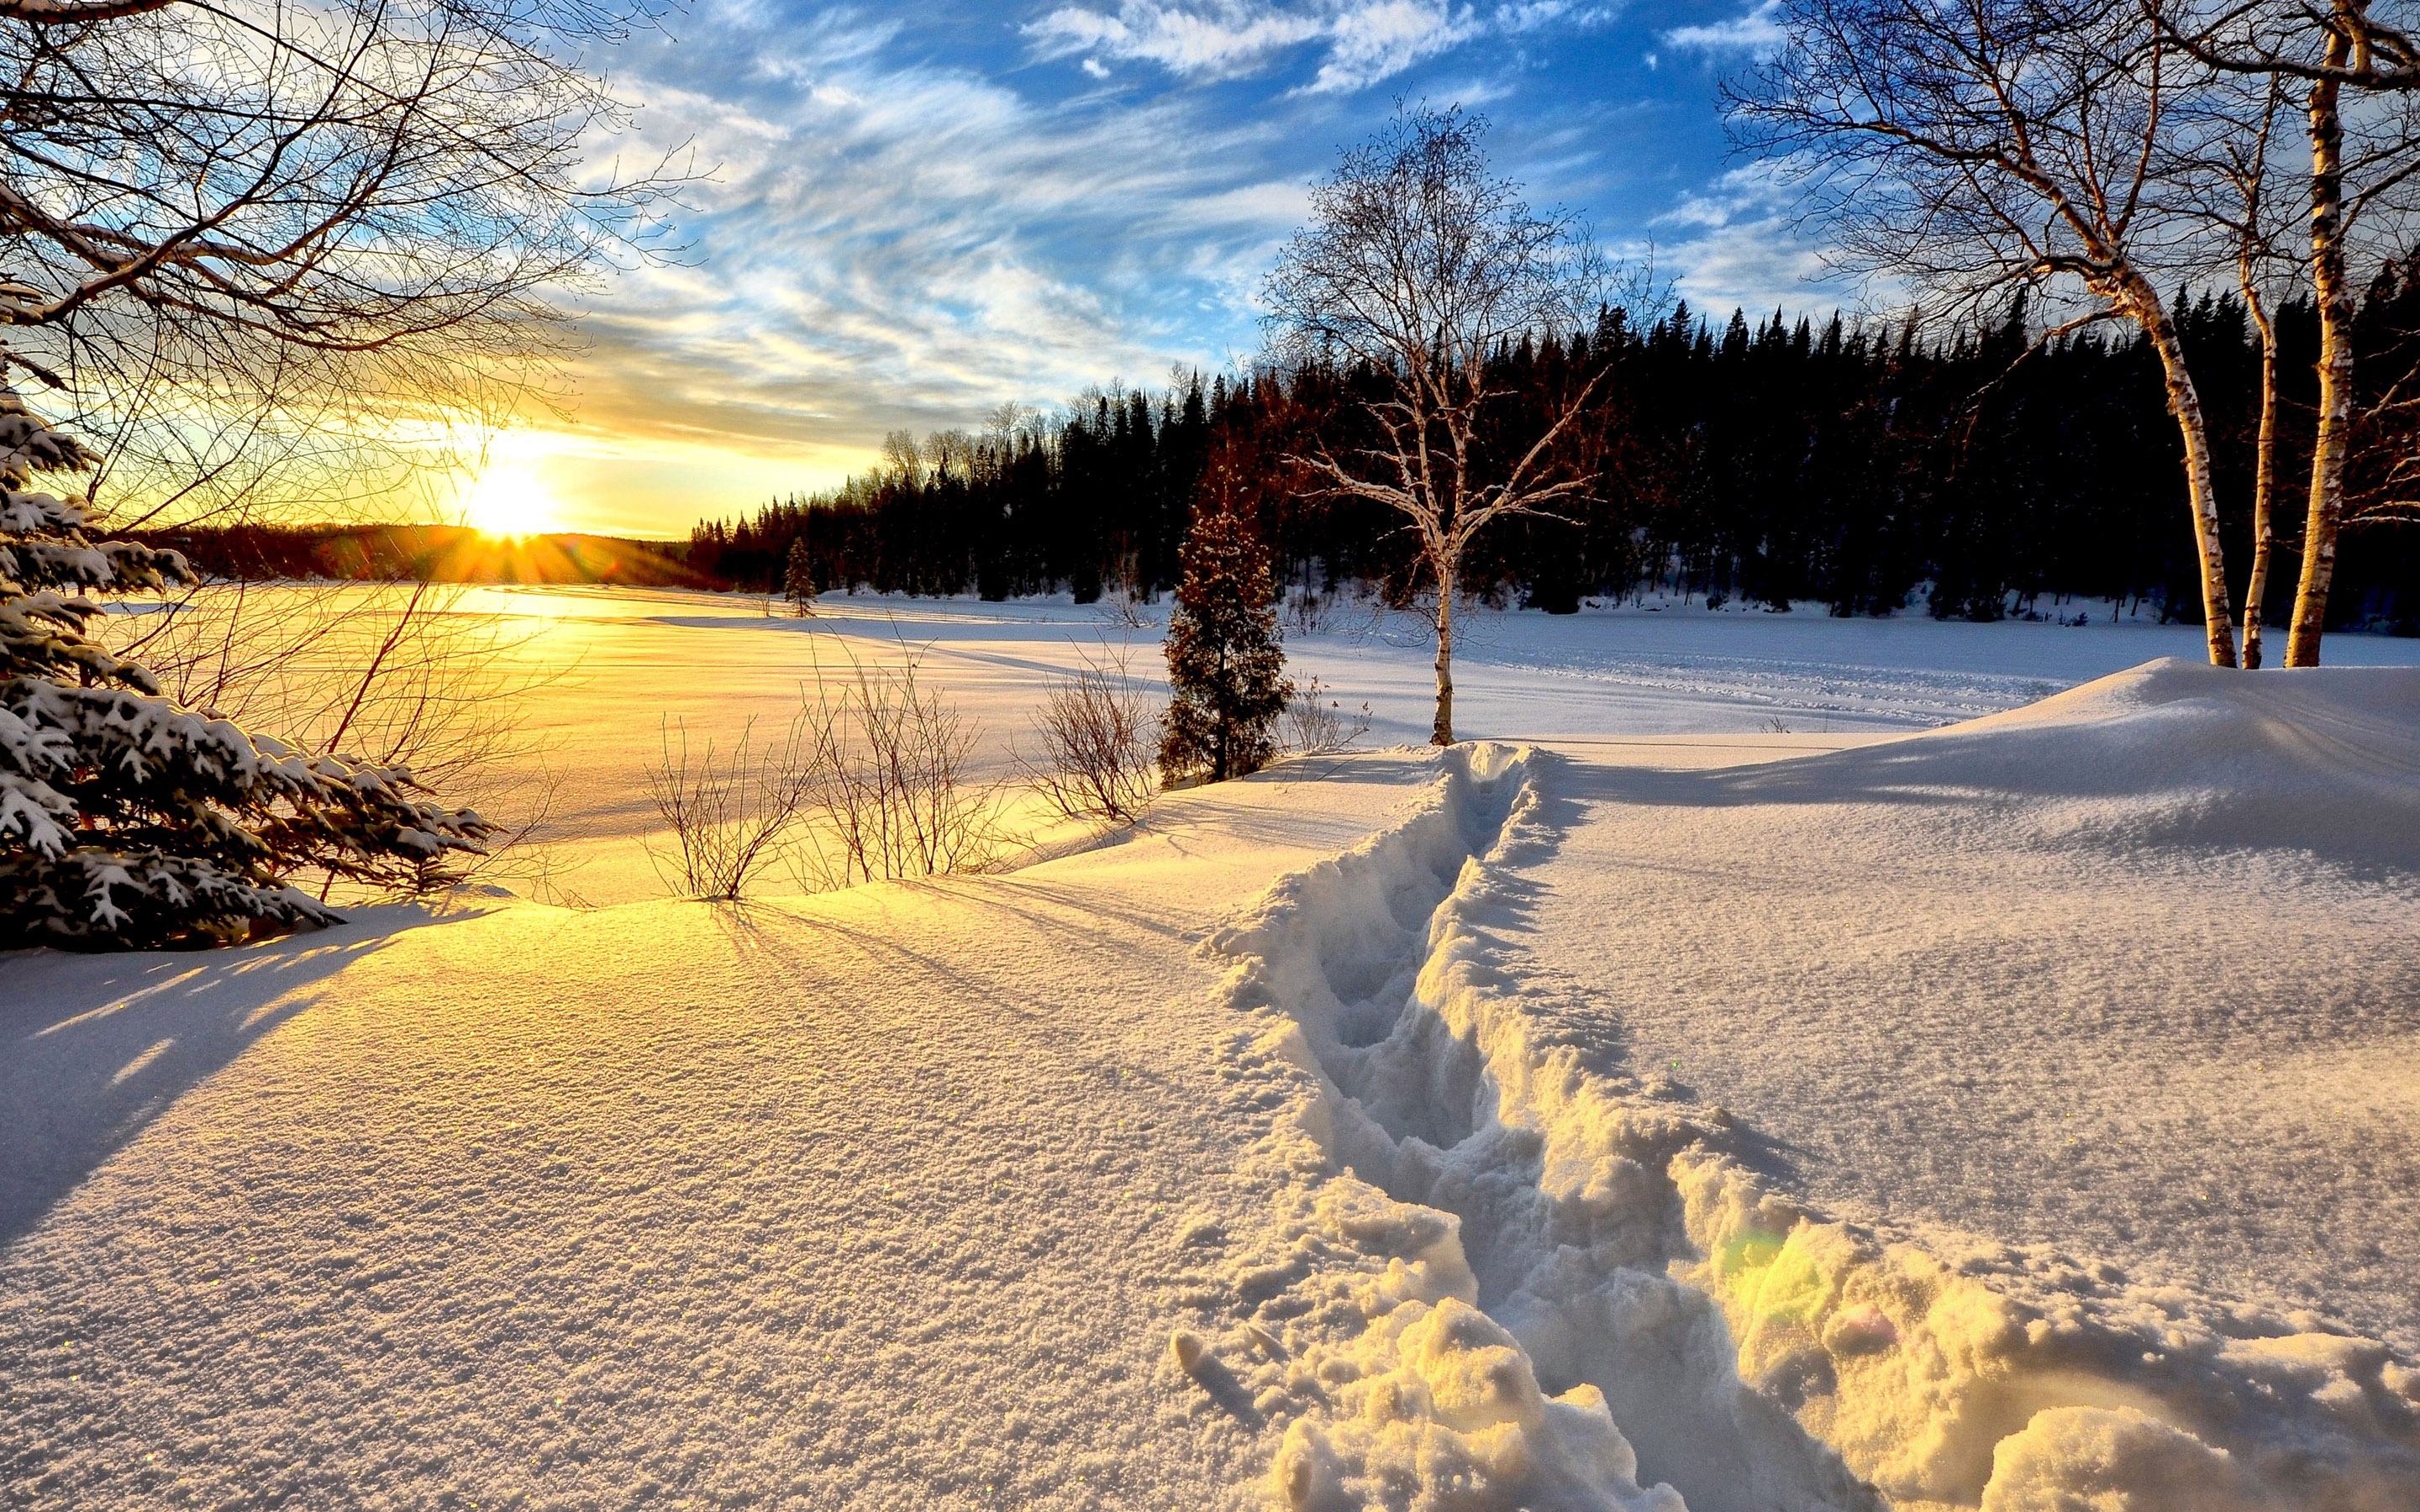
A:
(1470, 1199)
(2170, 753)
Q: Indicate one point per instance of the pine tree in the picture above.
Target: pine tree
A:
(1225, 666)
(798, 577)
(126, 821)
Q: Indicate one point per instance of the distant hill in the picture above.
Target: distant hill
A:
(427, 553)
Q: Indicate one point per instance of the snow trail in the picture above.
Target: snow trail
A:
(1485, 1208)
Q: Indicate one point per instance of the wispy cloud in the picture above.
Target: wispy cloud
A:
(1757, 32)
(891, 244)
(911, 224)
(1356, 42)
(1735, 242)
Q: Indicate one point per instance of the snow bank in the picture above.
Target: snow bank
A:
(1474, 1191)
(2171, 753)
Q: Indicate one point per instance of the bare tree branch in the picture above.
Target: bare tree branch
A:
(1418, 268)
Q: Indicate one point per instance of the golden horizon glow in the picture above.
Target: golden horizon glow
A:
(510, 501)
(544, 482)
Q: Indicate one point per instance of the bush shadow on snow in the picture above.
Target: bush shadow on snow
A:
(94, 1048)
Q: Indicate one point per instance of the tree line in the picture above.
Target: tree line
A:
(1863, 466)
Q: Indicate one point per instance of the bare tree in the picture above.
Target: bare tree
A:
(1980, 146)
(246, 235)
(2329, 49)
(2248, 205)
(1419, 265)
(1098, 729)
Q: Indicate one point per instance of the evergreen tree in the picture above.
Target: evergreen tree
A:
(798, 577)
(1843, 462)
(1226, 672)
(126, 821)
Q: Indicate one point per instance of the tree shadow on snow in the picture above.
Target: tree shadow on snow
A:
(94, 1048)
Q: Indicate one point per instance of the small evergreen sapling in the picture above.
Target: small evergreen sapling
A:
(126, 821)
(1226, 670)
(798, 577)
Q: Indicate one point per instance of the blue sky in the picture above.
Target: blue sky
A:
(918, 214)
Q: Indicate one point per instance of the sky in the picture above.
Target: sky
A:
(914, 215)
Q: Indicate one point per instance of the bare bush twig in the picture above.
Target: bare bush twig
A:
(394, 676)
(729, 812)
(893, 792)
(1099, 734)
(1122, 608)
(1316, 724)
(1310, 613)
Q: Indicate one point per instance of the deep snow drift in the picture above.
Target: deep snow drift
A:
(1779, 1122)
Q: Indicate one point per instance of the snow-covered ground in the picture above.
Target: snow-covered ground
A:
(605, 669)
(2024, 1115)
(1671, 1110)
(881, 1198)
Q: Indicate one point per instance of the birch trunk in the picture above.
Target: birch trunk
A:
(2184, 403)
(2264, 480)
(1442, 733)
(2336, 359)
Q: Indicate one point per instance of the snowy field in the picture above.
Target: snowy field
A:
(1737, 1085)
(606, 671)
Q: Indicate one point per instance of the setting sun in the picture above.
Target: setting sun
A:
(511, 500)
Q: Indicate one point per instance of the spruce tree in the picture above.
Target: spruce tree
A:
(1226, 670)
(798, 577)
(127, 821)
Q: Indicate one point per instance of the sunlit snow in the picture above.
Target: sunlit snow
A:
(1784, 1062)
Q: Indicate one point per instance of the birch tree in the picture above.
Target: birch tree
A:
(1977, 148)
(2343, 45)
(2246, 208)
(1420, 263)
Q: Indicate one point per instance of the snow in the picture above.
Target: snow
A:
(1461, 987)
(2152, 940)
(602, 670)
(1667, 1110)
(872, 1199)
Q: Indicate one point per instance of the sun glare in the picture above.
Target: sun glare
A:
(510, 499)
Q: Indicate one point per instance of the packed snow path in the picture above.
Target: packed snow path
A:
(1514, 1168)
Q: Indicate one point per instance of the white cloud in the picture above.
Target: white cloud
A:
(1755, 32)
(1738, 245)
(1358, 43)
(902, 244)
(893, 241)
(1217, 39)
(1378, 41)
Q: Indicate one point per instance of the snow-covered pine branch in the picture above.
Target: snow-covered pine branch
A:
(126, 820)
